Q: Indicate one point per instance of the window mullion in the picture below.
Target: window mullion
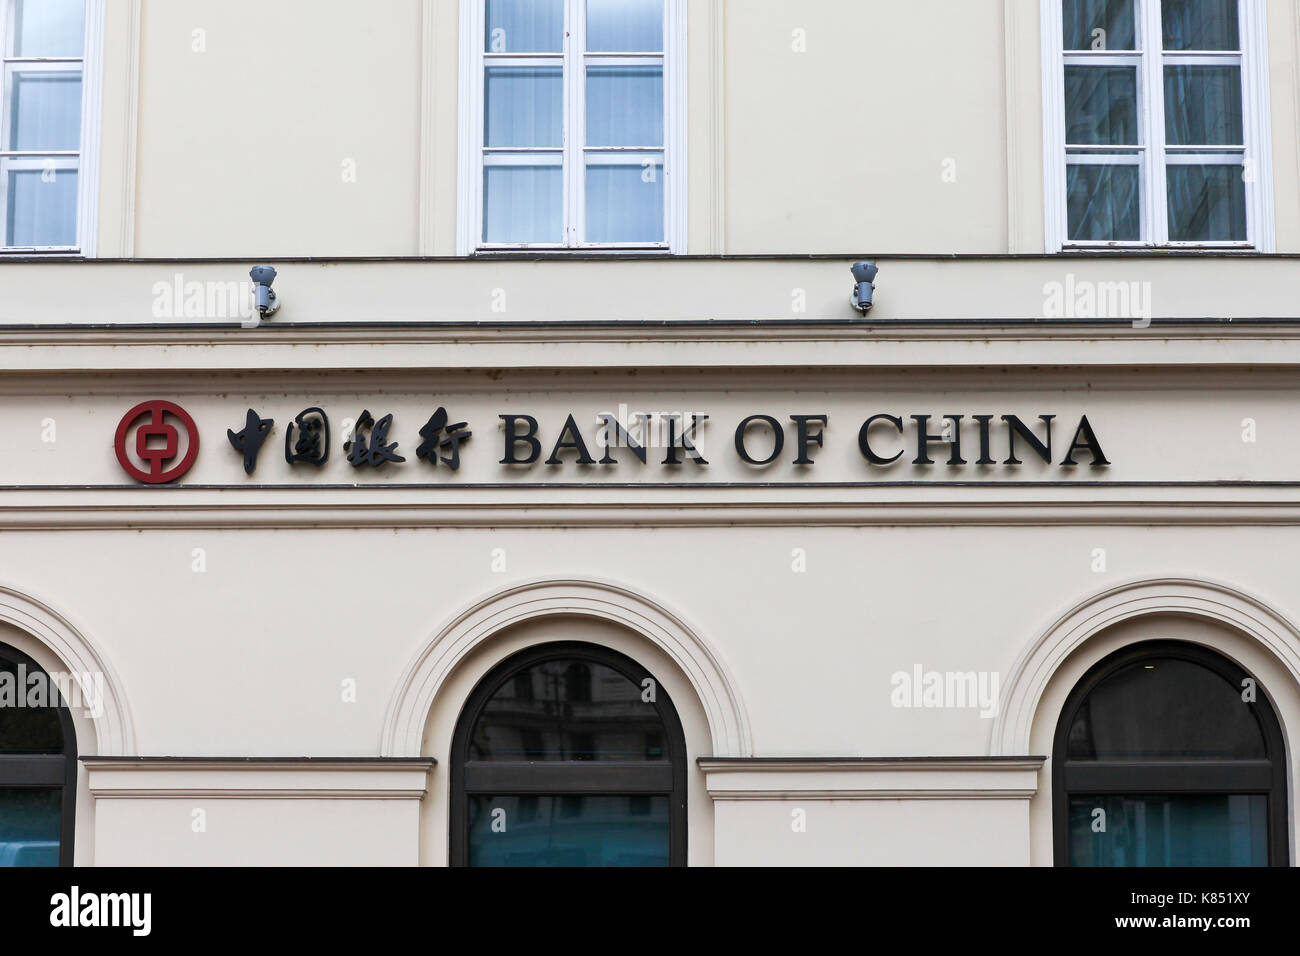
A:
(1153, 113)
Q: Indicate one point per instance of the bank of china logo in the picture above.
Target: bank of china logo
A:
(156, 442)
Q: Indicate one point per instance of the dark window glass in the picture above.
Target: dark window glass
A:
(1099, 25)
(1165, 709)
(1101, 106)
(1207, 204)
(562, 759)
(1169, 830)
(29, 710)
(577, 710)
(1199, 24)
(565, 830)
(1203, 106)
(1103, 203)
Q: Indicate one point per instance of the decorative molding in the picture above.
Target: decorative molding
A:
(591, 505)
(1206, 599)
(424, 676)
(718, 144)
(238, 778)
(883, 778)
(428, 127)
(114, 731)
(130, 135)
(91, 171)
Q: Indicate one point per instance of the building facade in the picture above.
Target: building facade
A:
(562, 499)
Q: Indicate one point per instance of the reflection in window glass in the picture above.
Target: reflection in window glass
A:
(1199, 24)
(1099, 25)
(49, 27)
(568, 830)
(41, 208)
(625, 26)
(625, 106)
(525, 106)
(45, 110)
(522, 203)
(30, 818)
(1203, 106)
(591, 712)
(1103, 204)
(524, 26)
(1101, 106)
(1207, 204)
(625, 202)
(1169, 830)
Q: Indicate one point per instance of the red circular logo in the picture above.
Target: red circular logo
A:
(157, 429)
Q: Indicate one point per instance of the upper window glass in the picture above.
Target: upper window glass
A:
(1168, 754)
(42, 115)
(38, 759)
(574, 148)
(1158, 144)
(1164, 708)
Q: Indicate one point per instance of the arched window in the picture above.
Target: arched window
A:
(568, 754)
(38, 766)
(1168, 754)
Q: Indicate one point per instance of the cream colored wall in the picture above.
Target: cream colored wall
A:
(242, 147)
(838, 149)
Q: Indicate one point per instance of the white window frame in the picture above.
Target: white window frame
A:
(86, 159)
(469, 232)
(1150, 60)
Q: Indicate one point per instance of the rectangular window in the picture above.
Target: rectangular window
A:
(572, 125)
(46, 202)
(1156, 118)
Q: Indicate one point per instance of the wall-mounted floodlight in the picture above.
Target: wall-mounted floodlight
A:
(864, 277)
(267, 300)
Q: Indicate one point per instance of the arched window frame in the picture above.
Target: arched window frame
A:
(46, 770)
(1267, 776)
(569, 776)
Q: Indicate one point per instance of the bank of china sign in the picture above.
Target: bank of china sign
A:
(157, 441)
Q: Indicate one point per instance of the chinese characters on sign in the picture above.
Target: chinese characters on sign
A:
(167, 441)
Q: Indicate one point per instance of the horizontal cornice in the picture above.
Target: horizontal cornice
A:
(593, 505)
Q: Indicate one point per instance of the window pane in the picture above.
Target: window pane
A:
(46, 110)
(1103, 203)
(1190, 830)
(1114, 18)
(49, 27)
(525, 26)
(41, 208)
(29, 719)
(1203, 106)
(1199, 24)
(1101, 106)
(30, 818)
(1207, 204)
(564, 830)
(1165, 708)
(523, 203)
(625, 106)
(625, 26)
(524, 106)
(568, 709)
(625, 203)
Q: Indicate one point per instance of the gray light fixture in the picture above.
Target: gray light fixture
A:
(267, 300)
(864, 277)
